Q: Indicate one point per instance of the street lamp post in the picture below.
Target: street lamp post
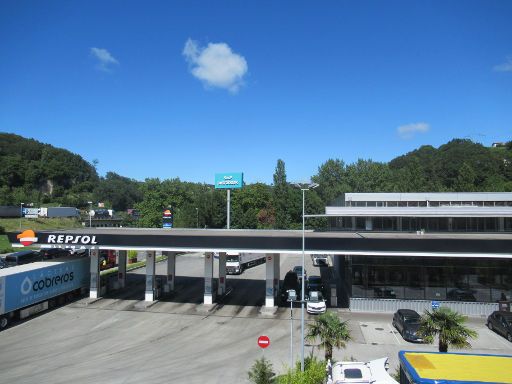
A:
(197, 217)
(90, 211)
(303, 187)
(21, 213)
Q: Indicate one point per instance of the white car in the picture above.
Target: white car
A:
(316, 303)
(320, 260)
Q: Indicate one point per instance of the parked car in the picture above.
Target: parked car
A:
(3, 264)
(501, 322)
(298, 270)
(22, 257)
(407, 322)
(315, 284)
(320, 260)
(291, 281)
(316, 303)
(460, 295)
(54, 253)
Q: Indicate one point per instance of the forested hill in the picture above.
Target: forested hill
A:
(33, 171)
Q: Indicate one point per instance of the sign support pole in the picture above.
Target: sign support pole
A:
(229, 207)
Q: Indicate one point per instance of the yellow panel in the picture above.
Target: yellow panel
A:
(462, 367)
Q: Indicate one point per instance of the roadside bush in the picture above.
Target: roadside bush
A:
(261, 372)
(314, 373)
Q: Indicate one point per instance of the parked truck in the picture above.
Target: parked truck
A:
(236, 263)
(31, 288)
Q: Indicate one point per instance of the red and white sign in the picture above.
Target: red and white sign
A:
(263, 341)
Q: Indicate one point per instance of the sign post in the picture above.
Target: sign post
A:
(229, 181)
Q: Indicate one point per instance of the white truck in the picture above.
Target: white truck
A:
(31, 288)
(236, 263)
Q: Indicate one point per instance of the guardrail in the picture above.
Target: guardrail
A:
(392, 305)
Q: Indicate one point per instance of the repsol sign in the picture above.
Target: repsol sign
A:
(72, 239)
(45, 283)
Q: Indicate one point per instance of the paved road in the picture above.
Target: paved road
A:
(117, 340)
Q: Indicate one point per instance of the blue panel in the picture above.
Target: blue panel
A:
(26, 288)
(231, 180)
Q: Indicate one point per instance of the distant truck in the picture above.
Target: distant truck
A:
(62, 212)
(236, 263)
(31, 288)
(10, 211)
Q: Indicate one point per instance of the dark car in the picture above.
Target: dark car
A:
(501, 322)
(22, 257)
(459, 294)
(315, 284)
(54, 253)
(3, 264)
(407, 322)
(291, 281)
(298, 270)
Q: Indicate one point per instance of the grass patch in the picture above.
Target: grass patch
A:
(129, 267)
(5, 246)
(13, 225)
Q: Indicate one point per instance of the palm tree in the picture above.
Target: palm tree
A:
(449, 326)
(331, 330)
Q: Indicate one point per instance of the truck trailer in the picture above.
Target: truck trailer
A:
(236, 263)
(31, 288)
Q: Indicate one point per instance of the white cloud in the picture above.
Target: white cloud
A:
(105, 59)
(409, 130)
(216, 65)
(505, 67)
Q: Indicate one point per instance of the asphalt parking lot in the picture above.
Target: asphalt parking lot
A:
(119, 340)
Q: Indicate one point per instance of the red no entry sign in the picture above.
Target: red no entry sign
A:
(263, 341)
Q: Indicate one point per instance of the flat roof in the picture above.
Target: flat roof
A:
(35, 265)
(431, 367)
(453, 211)
(280, 241)
(431, 196)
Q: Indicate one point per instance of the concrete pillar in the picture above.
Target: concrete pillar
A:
(150, 276)
(369, 224)
(353, 223)
(94, 290)
(222, 274)
(399, 223)
(269, 285)
(501, 224)
(171, 271)
(277, 274)
(208, 278)
(450, 223)
(121, 268)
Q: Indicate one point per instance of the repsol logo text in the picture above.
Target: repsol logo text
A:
(71, 239)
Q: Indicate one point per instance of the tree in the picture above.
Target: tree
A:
(281, 195)
(332, 332)
(261, 372)
(314, 373)
(448, 326)
(331, 178)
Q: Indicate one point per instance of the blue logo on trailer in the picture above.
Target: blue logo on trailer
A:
(232, 180)
(435, 304)
(36, 285)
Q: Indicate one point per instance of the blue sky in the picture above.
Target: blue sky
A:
(192, 88)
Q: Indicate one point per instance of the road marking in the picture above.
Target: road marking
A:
(499, 338)
(393, 332)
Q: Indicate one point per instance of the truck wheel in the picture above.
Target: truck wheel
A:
(3, 322)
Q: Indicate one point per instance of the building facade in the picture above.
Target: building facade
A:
(456, 279)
